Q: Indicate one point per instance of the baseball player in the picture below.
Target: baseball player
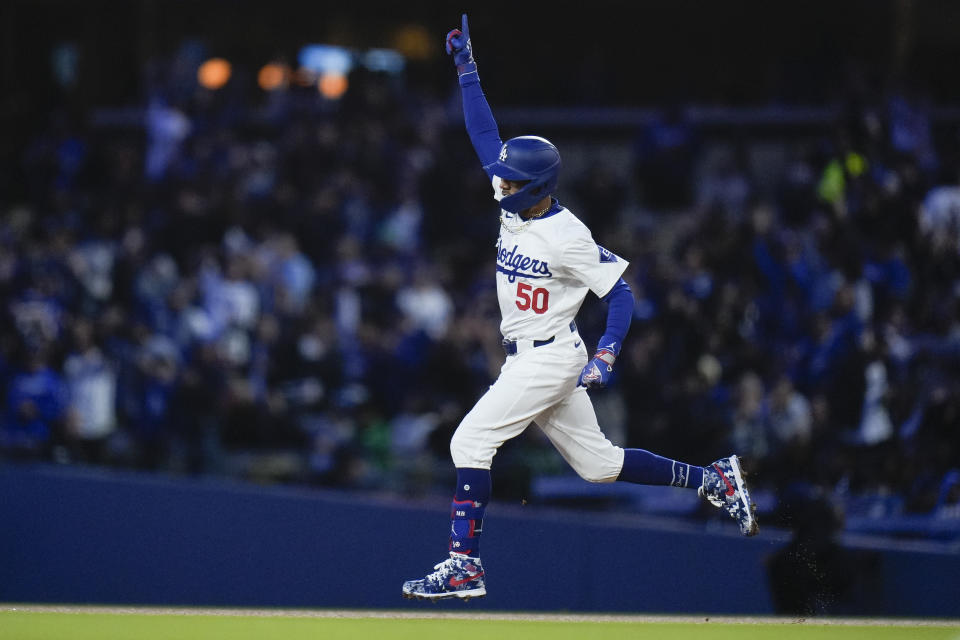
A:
(547, 261)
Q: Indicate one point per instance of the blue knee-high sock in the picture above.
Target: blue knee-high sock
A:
(466, 512)
(643, 467)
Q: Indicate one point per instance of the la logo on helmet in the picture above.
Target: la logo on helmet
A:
(503, 153)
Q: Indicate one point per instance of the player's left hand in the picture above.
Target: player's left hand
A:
(597, 373)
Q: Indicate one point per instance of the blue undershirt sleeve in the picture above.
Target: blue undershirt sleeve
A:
(619, 313)
(481, 126)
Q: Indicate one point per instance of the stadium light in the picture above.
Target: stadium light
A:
(273, 76)
(385, 60)
(414, 42)
(325, 58)
(332, 85)
(214, 73)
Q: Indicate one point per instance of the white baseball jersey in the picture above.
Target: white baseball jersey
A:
(545, 267)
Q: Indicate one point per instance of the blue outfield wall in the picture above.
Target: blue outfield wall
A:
(97, 536)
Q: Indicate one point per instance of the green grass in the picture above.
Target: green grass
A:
(17, 625)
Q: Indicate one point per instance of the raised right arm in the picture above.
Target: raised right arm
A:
(477, 116)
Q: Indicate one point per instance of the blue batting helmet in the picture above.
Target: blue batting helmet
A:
(530, 158)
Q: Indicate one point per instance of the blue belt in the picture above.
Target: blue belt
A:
(510, 346)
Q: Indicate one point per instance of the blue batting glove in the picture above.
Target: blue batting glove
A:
(458, 44)
(597, 373)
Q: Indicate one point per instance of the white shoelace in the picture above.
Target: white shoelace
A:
(442, 569)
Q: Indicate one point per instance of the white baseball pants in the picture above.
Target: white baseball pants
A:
(538, 385)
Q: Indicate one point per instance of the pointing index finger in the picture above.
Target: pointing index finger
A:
(465, 28)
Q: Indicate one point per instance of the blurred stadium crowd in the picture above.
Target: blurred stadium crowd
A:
(301, 290)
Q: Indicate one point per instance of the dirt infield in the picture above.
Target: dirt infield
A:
(479, 615)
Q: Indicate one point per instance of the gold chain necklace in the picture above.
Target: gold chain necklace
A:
(526, 223)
